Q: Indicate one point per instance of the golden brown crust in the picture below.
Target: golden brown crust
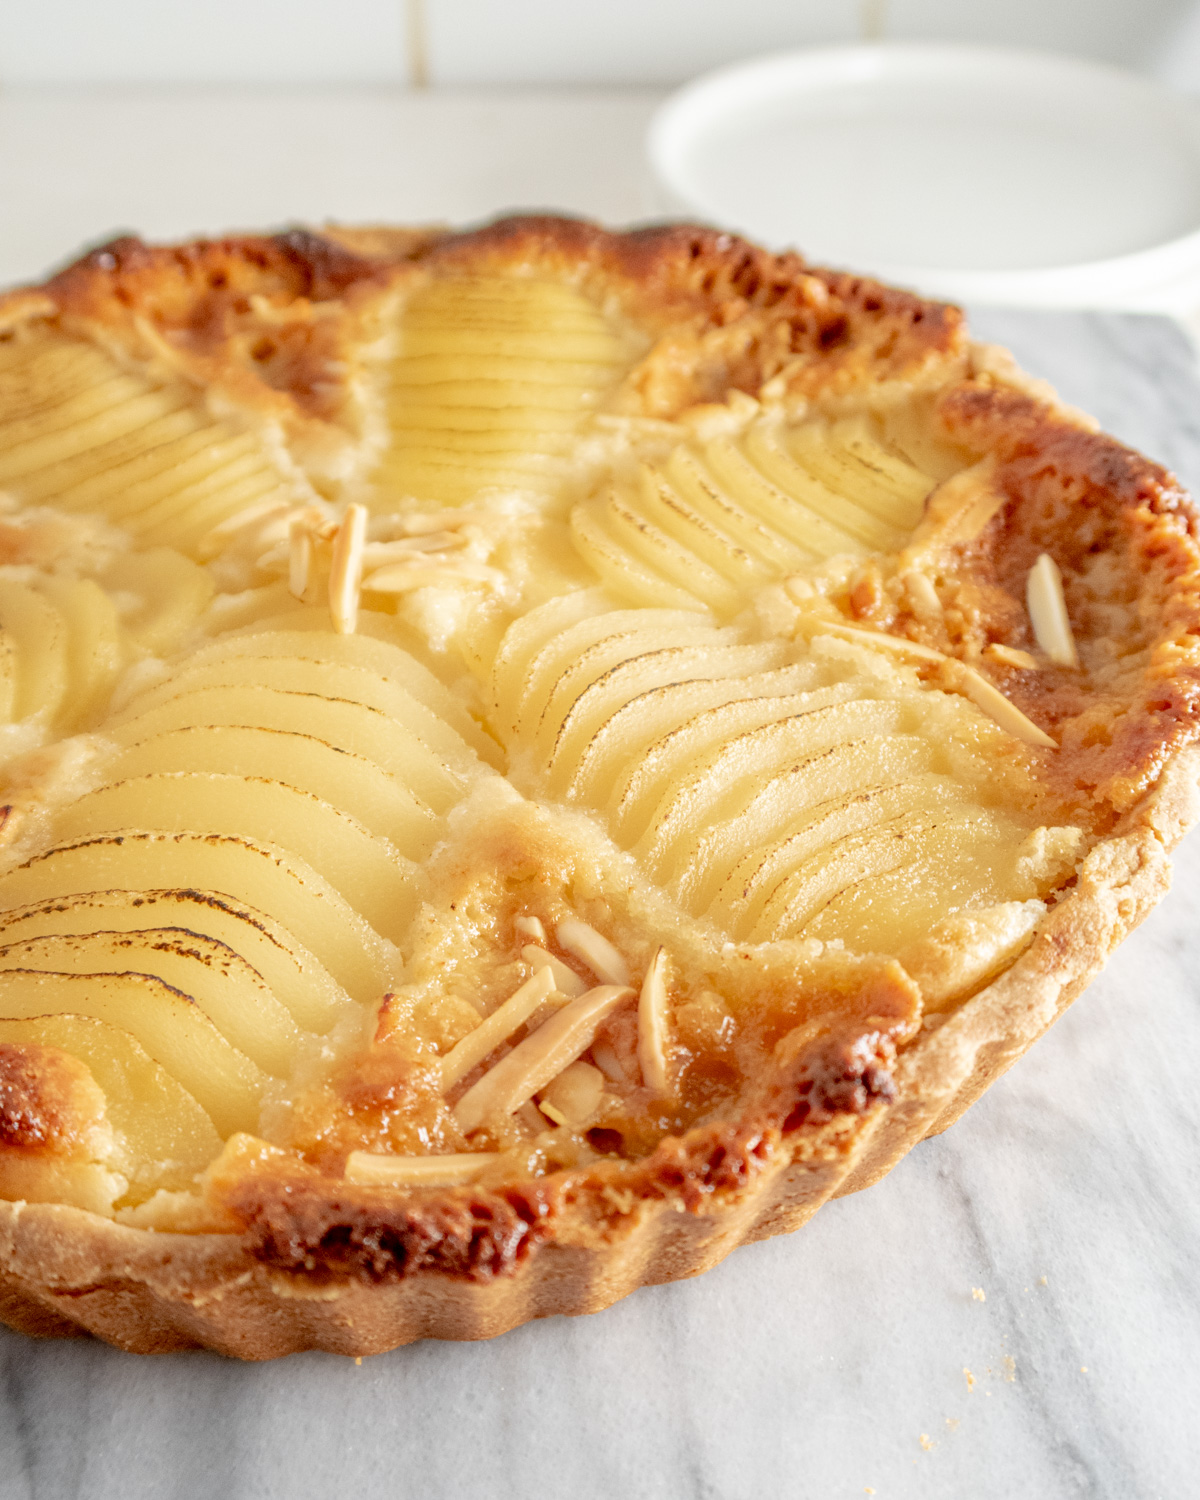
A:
(272, 327)
(1081, 495)
(48, 1102)
(729, 315)
(272, 323)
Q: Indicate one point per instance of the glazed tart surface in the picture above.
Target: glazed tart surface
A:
(531, 757)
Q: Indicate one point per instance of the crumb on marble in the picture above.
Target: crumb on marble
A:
(1042, 1281)
(1010, 1367)
(979, 1294)
(970, 1380)
(952, 1423)
(927, 1443)
(358, 1360)
(1083, 1369)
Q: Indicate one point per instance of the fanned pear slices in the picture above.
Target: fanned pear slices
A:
(830, 795)
(294, 857)
(87, 436)
(492, 384)
(715, 522)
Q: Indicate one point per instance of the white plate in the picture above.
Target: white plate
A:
(975, 173)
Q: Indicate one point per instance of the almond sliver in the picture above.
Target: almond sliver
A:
(565, 979)
(534, 1062)
(582, 941)
(1048, 612)
(416, 1171)
(498, 1027)
(1009, 717)
(345, 574)
(652, 1027)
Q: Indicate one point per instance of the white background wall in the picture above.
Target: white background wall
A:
(537, 41)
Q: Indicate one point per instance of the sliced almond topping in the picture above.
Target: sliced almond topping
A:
(441, 520)
(652, 1027)
(274, 560)
(594, 949)
(961, 506)
(402, 578)
(1012, 656)
(574, 1095)
(1048, 612)
(799, 590)
(972, 683)
(410, 548)
(566, 981)
(896, 643)
(531, 927)
(498, 1027)
(1009, 717)
(416, 1171)
(301, 560)
(534, 1062)
(922, 595)
(609, 1063)
(345, 572)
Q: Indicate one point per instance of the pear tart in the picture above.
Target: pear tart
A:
(531, 757)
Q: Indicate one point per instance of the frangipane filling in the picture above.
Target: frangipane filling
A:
(501, 807)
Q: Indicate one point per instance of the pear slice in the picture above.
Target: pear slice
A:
(95, 654)
(723, 782)
(87, 436)
(491, 380)
(577, 723)
(646, 547)
(820, 530)
(674, 758)
(594, 664)
(304, 635)
(865, 856)
(609, 634)
(261, 875)
(39, 635)
(529, 635)
(298, 981)
(774, 815)
(229, 992)
(737, 674)
(354, 784)
(847, 459)
(697, 486)
(164, 1136)
(169, 1025)
(406, 717)
(792, 499)
(350, 726)
(370, 873)
(717, 540)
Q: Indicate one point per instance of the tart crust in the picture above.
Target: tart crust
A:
(312, 1261)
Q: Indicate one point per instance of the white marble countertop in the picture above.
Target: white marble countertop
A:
(1015, 1311)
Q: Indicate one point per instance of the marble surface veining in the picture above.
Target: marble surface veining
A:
(1015, 1311)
